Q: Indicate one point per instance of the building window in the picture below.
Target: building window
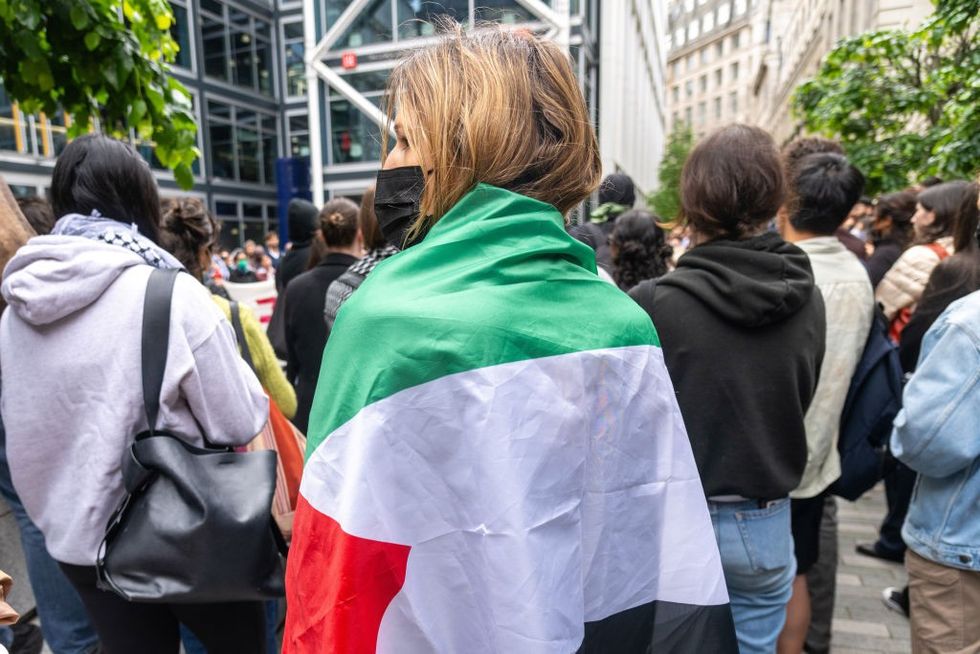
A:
(736, 40)
(724, 13)
(718, 78)
(353, 136)
(416, 19)
(733, 100)
(703, 53)
(703, 83)
(702, 111)
(688, 88)
(292, 41)
(237, 46)
(675, 93)
(679, 37)
(734, 70)
(708, 22)
(242, 142)
(180, 31)
(739, 7)
(299, 135)
(693, 30)
(690, 62)
(244, 221)
(687, 115)
(717, 103)
(373, 25)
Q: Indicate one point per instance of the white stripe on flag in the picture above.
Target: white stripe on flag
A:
(535, 496)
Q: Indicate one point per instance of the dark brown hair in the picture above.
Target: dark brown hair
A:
(38, 213)
(338, 223)
(368, 221)
(338, 229)
(947, 201)
(965, 227)
(732, 183)
(188, 226)
(798, 149)
(899, 207)
(641, 247)
(98, 173)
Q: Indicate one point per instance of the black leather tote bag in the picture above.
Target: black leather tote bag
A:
(196, 525)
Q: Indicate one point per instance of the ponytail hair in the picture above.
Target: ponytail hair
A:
(188, 226)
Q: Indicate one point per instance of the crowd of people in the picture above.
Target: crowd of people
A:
(525, 434)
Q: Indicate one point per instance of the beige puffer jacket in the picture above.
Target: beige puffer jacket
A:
(903, 284)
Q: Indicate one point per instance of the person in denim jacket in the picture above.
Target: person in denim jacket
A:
(936, 434)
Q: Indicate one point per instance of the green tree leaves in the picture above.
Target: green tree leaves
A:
(904, 104)
(666, 201)
(105, 62)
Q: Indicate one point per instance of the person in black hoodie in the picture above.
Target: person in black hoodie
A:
(743, 330)
(302, 230)
(306, 332)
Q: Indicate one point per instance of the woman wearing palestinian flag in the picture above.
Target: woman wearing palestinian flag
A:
(496, 459)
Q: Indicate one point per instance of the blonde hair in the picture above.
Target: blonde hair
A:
(496, 106)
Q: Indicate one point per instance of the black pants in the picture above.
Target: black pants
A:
(131, 627)
(898, 493)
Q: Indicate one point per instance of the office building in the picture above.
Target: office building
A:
(798, 35)
(714, 45)
(244, 63)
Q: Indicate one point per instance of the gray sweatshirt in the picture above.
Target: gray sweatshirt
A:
(72, 391)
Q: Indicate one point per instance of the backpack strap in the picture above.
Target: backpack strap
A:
(155, 339)
(236, 322)
(940, 251)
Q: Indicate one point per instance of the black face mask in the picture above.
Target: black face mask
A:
(396, 203)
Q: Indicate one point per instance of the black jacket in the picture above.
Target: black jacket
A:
(743, 334)
(306, 333)
(887, 252)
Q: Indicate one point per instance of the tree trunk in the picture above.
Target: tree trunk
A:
(14, 228)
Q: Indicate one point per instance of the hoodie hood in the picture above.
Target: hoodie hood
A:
(758, 281)
(55, 276)
(302, 215)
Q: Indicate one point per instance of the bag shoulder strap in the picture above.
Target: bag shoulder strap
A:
(236, 322)
(940, 251)
(156, 339)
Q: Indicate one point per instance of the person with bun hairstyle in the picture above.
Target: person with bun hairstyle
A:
(639, 249)
(743, 331)
(190, 232)
(306, 332)
(377, 250)
(891, 232)
(71, 345)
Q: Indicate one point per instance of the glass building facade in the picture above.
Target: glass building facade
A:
(242, 61)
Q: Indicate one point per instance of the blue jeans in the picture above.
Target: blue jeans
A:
(64, 622)
(756, 547)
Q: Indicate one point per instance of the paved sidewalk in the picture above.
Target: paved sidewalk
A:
(862, 624)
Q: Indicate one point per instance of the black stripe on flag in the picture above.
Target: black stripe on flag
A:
(663, 627)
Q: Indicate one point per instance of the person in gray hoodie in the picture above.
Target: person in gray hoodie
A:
(70, 346)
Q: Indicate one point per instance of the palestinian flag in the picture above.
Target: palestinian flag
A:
(497, 462)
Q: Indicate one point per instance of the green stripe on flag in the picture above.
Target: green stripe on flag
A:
(496, 280)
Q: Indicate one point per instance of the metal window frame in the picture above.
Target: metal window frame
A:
(556, 20)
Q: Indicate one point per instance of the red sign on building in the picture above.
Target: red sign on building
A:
(348, 60)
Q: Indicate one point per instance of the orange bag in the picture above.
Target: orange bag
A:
(290, 444)
(282, 436)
